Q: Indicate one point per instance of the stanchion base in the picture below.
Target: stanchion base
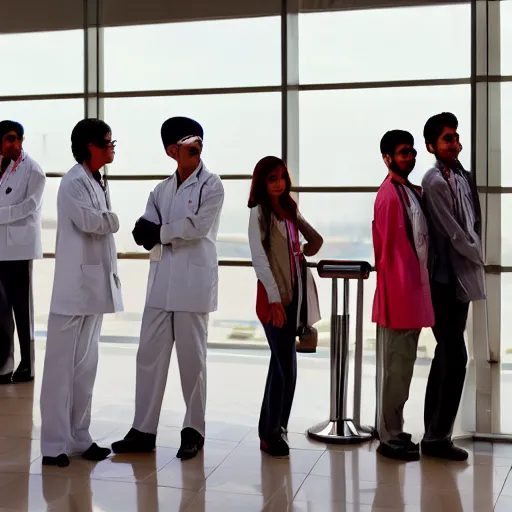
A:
(341, 432)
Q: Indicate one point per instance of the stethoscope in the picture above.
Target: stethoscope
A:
(199, 172)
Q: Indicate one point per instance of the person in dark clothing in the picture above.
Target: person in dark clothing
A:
(457, 278)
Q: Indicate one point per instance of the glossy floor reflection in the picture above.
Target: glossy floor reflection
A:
(231, 474)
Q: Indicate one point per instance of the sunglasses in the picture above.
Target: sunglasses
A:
(405, 152)
(12, 138)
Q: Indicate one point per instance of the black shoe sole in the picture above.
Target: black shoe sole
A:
(118, 450)
(96, 453)
(396, 454)
(275, 455)
(190, 455)
(60, 461)
(6, 379)
(445, 456)
(22, 380)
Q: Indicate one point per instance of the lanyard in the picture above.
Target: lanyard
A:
(4, 175)
(447, 174)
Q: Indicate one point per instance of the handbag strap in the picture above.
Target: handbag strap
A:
(304, 305)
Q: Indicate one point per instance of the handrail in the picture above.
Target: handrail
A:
(232, 262)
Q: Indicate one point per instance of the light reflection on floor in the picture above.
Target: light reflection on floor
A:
(232, 475)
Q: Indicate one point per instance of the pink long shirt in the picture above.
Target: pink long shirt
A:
(402, 298)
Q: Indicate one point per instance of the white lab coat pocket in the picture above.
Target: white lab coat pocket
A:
(202, 281)
(115, 287)
(95, 287)
(20, 235)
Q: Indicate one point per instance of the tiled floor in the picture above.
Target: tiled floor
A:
(231, 474)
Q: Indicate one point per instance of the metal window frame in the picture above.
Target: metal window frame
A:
(486, 166)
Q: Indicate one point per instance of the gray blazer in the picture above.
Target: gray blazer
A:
(454, 257)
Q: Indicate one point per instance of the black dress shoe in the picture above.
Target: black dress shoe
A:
(443, 450)
(191, 443)
(61, 461)
(22, 375)
(6, 379)
(96, 453)
(399, 450)
(407, 439)
(135, 442)
(277, 447)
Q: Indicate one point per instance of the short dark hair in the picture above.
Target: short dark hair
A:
(394, 138)
(436, 124)
(11, 126)
(87, 131)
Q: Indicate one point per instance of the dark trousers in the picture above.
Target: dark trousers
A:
(281, 378)
(15, 279)
(448, 370)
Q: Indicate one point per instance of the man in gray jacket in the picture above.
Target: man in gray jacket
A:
(457, 278)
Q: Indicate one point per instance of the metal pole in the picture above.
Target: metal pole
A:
(343, 362)
(338, 428)
(358, 355)
(334, 352)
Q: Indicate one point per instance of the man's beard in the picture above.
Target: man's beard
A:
(403, 173)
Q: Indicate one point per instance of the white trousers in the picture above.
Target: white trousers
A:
(70, 366)
(160, 330)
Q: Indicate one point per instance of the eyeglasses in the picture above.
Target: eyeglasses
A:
(106, 143)
(12, 138)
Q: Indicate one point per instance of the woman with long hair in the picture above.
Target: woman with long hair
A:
(278, 260)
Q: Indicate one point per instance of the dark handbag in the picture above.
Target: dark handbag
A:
(308, 335)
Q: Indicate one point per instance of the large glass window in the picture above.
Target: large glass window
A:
(194, 55)
(506, 37)
(385, 44)
(239, 129)
(340, 130)
(506, 234)
(42, 63)
(506, 132)
(345, 222)
(49, 214)
(48, 125)
(506, 350)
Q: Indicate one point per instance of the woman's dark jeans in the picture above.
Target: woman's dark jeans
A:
(281, 378)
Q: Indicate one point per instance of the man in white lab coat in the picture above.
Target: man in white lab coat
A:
(86, 285)
(180, 228)
(21, 192)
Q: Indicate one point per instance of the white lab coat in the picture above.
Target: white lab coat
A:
(86, 280)
(21, 194)
(182, 291)
(185, 278)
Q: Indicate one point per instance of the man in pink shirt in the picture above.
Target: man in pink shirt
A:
(402, 305)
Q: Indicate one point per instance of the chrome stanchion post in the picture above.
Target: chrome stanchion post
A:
(334, 352)
(358, 360)
(344, 349)
(358, 355)
(339, 429)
